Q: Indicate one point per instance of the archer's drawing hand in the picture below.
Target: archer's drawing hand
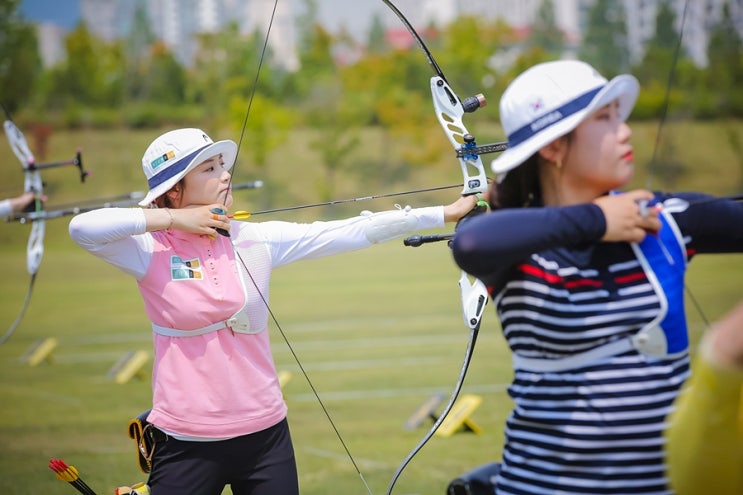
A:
(199, 219)
(627, 217)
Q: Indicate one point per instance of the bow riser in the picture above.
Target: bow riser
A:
(449, 112)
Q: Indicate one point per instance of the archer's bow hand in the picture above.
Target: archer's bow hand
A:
(465, 206)
(24, 202)
(478, 205)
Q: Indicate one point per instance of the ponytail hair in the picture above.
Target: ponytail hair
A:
(519, 188)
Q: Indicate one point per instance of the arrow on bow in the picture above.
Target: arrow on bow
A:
(124, 200)
(33, 183)
(121, 201)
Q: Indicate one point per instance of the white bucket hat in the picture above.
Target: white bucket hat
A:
(171, 156)
(549, 100)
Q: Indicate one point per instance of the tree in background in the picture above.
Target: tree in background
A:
(662, 96)
(90, 78)
(658, 64)
(224, 67)
(604, 44)
(326, 103)
(317, 66)
(20, 63)
(335, 145)
(266, 128)
(725, 69)
(661, 48)
(137, 49)
(545, 34)
(376, 41)
(724, 78)
(467, 45)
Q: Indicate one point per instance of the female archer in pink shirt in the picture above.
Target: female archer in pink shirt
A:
(218, 413)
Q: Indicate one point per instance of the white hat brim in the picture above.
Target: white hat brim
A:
(227, 148)
(624, 87)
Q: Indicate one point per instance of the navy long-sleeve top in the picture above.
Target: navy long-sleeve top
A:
(559, 291)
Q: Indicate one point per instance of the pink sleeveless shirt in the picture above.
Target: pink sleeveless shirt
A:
(199, 381)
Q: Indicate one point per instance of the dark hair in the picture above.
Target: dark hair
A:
(520, 188)
(163, 201)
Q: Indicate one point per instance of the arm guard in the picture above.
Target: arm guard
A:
(388, 225)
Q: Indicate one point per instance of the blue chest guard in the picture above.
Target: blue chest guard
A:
(663, 258)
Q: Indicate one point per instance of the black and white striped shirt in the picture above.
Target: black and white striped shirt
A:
(596, 428)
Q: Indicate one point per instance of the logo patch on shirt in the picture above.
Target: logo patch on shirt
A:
(181, 269)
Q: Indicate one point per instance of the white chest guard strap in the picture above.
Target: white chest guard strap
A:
(238, 323)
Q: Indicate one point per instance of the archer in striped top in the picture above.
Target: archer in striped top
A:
(588, 286)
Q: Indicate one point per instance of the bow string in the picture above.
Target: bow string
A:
(653, 161)
(450, 110)
(263, 297)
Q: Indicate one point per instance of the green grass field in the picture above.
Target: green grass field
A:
(378, 332)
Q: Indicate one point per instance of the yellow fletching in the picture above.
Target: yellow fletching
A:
(69, 475)
(241, 215)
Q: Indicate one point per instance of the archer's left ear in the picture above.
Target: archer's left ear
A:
(174, 193)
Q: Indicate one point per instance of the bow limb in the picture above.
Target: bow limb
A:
(35, 247)
(32, 183)
(474, 300)
(450, 109)
(449, 405)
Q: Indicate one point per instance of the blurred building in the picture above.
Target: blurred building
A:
(176, 22)
(51, 44)
(571, 17)
(700, 17)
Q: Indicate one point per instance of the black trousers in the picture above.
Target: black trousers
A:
(261, 463)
